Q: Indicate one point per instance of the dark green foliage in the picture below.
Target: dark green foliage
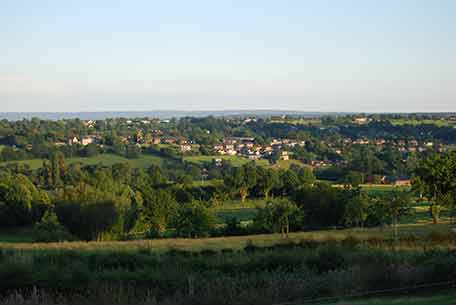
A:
(241, 179)
(90, 150)
(90, 213)
(89, 220)
(266, 181)
(322, 205)
(278, 216)
(232, 227)
(290, 182)
(49, 229)
(158, 207)
(21, 203)
(193, 219)
(436, 178)
(352, 178)
(356, 209)
(132, 151)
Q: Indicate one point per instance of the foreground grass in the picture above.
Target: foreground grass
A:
(410, 300)
(261, 270)
(286, 273)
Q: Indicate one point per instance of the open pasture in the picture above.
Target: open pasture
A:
(143, 161)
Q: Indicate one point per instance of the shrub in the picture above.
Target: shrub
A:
(49, 229)
(194, 220)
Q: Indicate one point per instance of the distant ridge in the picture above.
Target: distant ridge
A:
(167, 114)
(161, 114)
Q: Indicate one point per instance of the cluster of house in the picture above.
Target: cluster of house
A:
(246, 147)
(402, 145)
(86, 140)
(156, 138)
(361, 120)
(138, 139)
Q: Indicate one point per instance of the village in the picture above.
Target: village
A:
(333, 147)
(143, 136)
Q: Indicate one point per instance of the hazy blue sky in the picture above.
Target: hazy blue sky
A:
(95, 55)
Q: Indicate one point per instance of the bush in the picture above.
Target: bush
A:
(194, 220)
(49, 229)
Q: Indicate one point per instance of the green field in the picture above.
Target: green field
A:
(285, 164)
(238, 161)
(235, 160)
(377, 189)
(439, 123)
(106, 159)
(374, 189)
(419, 211)
(244, 212)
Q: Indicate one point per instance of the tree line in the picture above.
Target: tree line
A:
(100, 202)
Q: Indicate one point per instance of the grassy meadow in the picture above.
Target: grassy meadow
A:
(143, 161)
(440, 122)
(244, 212)
(406, 231)
(239, 161)
(285, 164)
(235, 160)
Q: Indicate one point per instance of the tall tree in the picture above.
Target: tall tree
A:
(398, 203)
(193, 220)
(241, 179)
(436, 176)
(275, 216)
(267, 180)
(159, 207)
